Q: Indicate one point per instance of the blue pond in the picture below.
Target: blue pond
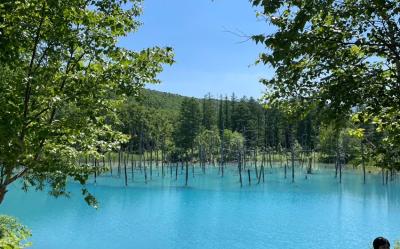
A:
(214, 212)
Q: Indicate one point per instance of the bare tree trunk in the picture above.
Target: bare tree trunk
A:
(119, 163)
(187, 172)
(132, 172)
(340, 170)
(363, 161)
(126, 174)
(95, 170)
(110, 163)
(292, 163)
(270, 159)
(309, 171)
(263, 174)
(285, 170)
(151, 163)
(162, 163)
(176, 171)
(387, 176)
(255, 162)
(157, 161)
(240, 168)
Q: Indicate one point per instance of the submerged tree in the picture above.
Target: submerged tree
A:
(62, 78)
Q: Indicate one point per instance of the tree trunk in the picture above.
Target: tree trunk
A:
(309, 171)
(363, 161)
(240, 169)
(270, 159)
(133, 173)
(285, 170)
(263, 174)
(3, 191)
(255, 162)
(292, 162)
(95, 170)
(340, 170)
(176, 171)
(187, 172)
(110, 163)
(125, 173)
(151, 164)
(119, 163)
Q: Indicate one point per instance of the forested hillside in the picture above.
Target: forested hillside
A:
(222, 129)
(161, 100)
(260, 127)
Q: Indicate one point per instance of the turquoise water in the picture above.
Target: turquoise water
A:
(214, 212)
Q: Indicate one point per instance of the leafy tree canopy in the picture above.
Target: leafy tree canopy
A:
(12, 234)
(339, 56)
(63, 77)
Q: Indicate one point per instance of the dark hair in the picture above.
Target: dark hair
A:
(380, 241)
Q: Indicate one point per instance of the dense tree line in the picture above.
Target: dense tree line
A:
(261, 129)
(214, 130)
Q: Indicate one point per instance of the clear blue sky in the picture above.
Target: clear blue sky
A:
(208, 58)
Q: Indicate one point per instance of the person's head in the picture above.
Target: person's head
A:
(381, 243)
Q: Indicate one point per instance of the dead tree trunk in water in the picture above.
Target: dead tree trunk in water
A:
(285, 169)
(222, 162)
(292, 164)
(338, 159)
(270, 159)
(387, 177)
(149, 163)
(119, 162)
(309, 170)
(187, 171)
(255, 162)
(95, 170)
(383, 176)
(340, 171)
(240, 168)
(162, 163)
(292, 159)
(110, 163)
(133, 171)
(261, 172)
(363, 161)
(176, 171)
(263, 158)
(145, 167)
(337, 163)
(125, 171)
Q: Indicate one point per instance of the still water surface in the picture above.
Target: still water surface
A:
(214, 212)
